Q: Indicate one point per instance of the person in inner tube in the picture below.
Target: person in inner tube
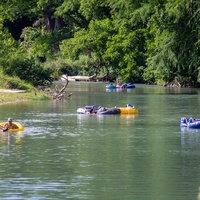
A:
(93, 111)
(9, 125)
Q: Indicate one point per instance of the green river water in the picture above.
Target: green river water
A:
(65, 155)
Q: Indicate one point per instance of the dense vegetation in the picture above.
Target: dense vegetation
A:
(152, 41)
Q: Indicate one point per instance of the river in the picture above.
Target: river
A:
(65, 155)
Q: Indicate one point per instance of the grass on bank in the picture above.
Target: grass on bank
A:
(7, 82)
(6, 97)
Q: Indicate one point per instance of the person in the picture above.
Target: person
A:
(9, 125)
(191, 120)
(93, 111)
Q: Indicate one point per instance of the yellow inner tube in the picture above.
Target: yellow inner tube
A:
(20, 126)
(128, 110)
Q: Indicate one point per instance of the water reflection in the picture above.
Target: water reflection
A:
(8, 138)
(128, 118)
(190, 137)
(119, 90)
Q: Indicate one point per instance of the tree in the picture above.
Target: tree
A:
(171, 44)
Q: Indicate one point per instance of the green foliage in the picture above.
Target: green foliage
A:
(162, 57)
(36, 43)
(156, 41)
(13, 83)
(171, 49)
(93, 43)
(94, 9)
(28, 71)
(15, 9)
(8, 45)
(85, 66)
(61, 66)
(69, 11)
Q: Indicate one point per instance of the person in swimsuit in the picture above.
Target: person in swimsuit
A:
(9, 125)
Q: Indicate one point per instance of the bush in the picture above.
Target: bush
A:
(61, 66)
(13, 83)
(28, 71)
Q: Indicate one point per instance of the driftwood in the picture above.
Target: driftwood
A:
(59, 94)
(56, 93)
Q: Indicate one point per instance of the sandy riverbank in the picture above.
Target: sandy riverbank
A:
(12, 91)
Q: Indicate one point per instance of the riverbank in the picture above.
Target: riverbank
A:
(10, 96)
(12, 91)
(6, 97)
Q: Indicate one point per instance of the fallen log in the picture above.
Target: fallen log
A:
(78, 78)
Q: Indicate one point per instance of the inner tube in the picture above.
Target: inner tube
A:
(128, 110)
(20, 127)
(109, 111)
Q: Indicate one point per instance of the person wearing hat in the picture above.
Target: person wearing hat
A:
(9, 125)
